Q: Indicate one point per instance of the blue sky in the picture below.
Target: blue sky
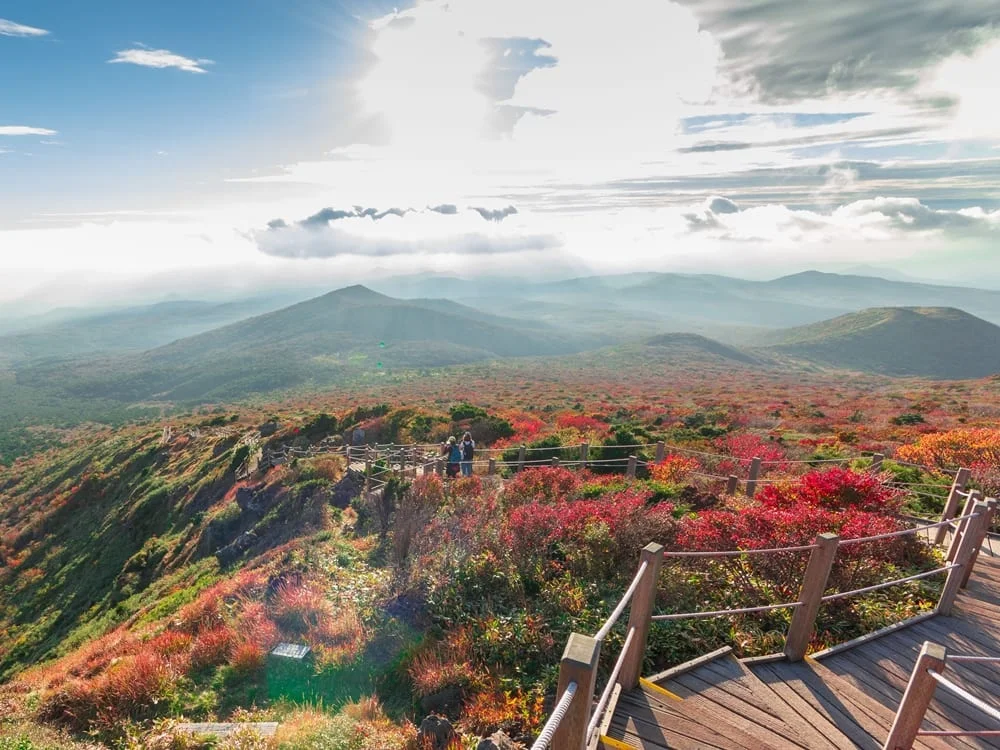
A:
(191, 140)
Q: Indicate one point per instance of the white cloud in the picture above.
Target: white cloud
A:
(160, 58)
(24, 130)
(971, 79)
(10, 28)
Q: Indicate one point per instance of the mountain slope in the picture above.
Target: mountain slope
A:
(934, 342)
(325, 340)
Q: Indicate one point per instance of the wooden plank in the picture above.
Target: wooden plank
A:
(760, 722)
(687, 666)
(651, 722)
(709, 716)
(760, 696)
(840, 726)
(880, 682)
(862, 640)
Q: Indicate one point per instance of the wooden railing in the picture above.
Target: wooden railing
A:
(583, 721)
(927, 676)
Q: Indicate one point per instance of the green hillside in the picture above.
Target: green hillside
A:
(933, 342)
(327, 340)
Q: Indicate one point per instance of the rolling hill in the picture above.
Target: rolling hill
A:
(932, 342)
(322, 341)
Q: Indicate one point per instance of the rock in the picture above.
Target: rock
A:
(344, 491)
(231, 552)
(446, 702)
(267, 429)
(498, 741)
(435, 733)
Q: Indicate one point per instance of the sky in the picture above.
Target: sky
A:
(199, 149)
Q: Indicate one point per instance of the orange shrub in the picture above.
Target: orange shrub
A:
(673, 469)
(954, 448)
(247, 658)
(299, 608)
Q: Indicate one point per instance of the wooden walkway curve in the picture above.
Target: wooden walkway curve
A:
(845, 699)
(884, 691)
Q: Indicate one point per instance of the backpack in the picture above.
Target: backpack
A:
(455, 454)
(467, 447)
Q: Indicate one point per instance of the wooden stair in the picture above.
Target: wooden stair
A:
(846, 700)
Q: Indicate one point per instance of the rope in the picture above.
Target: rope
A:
(914, 530)
(733, 552)
(719, 612)
(951, 687)
(545, 736)
(974, 658)
(887, 584)
(626, 598)
(612, 679)
(959, 733)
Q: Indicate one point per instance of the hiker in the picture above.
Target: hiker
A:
(453, 453)
(468, 447)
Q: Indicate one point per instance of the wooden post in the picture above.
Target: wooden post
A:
(368, 474)
(347, 453)
(640, 612)
(661, 452)
(917, 698)
(555, 460)
(584, 454)
(632, 462)
(959, 531)
(951, 505)
(811, 596)
(991, 513)
(877, 460)
(579, 665)
(970, 542)
(439, 467)
(491, 468)
(732, 485)
(754, 474)
(520, 458)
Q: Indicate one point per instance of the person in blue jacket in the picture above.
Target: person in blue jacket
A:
(453, 451)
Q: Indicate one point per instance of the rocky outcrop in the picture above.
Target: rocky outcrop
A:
(436, 733)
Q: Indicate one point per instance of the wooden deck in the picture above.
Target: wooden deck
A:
(845, 700)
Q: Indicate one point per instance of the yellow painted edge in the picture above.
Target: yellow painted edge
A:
(653, 686)
(615, 744)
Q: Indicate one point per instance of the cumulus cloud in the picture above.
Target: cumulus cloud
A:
(786, 50)
(329, 242)
(496, 215)
(10, 28)
(160, 58)
(24, 130)
(866, 220)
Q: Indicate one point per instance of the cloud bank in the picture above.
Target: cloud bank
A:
(24, 130)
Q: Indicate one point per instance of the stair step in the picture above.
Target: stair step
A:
(727, 689)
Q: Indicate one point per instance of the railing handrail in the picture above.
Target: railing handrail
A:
(555, 718)
(720, 612)
(602, 704)
(951, 687)
(887, 584)
(737, 552)
(903, 532)
(622, 603)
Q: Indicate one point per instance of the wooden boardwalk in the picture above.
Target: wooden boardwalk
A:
(845, 699)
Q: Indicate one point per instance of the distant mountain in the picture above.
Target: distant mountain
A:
(127, 329)
(933, 342)
(326, 340)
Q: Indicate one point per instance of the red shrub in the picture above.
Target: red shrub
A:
(745, 446)
(299, 608)
(212, 647)
(543, 485)
(834, 489)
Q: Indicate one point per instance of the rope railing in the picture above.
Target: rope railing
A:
(965, 695)
(622, 603)
(721, 612)
(903, 532)
(558, 712)
(962, 657)
(737, 552)
(602, 704)
(887, 584)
